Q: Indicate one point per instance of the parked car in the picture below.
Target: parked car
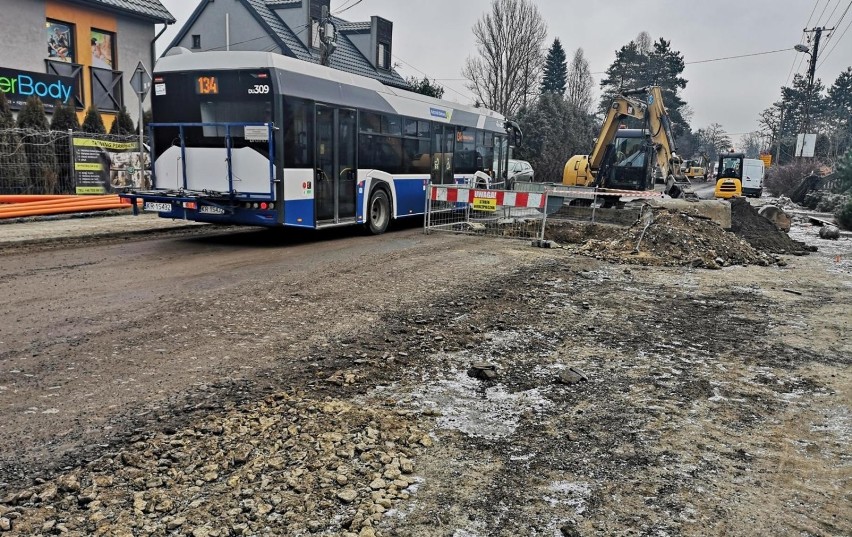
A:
(520, 170)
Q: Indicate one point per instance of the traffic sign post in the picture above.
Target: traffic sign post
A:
(141, 84)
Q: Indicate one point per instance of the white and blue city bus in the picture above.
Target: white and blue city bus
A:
(261, 139)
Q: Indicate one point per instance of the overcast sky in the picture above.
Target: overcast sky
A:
(434, 37)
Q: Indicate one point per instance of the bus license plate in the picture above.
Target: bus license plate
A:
(158, 207)
(209, 209)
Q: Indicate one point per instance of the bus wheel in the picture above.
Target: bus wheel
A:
(378, 212)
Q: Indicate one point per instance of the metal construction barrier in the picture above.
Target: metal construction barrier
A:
(495, 213)
(589, 204)
(527, 214)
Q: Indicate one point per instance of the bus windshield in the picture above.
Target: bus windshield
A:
(211, 97)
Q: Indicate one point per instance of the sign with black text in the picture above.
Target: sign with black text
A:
(104, 166)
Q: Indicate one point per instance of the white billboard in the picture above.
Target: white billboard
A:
(805, 145)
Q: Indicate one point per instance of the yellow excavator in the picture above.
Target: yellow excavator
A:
(695, 169)
(625, 159)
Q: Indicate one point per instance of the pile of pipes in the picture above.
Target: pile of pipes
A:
(22, 206)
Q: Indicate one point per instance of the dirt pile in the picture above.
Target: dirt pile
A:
(285, 466)
(762, 234)
(671, 238)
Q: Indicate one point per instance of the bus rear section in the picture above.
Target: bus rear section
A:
(213, 145)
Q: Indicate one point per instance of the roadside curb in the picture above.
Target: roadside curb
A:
(47, 230)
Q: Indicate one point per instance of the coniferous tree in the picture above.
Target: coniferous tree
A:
(32, 115)
(64, 118)
(123, 123)
(555, 77)
(7, 120)
(14, 177)
(426, 87)
(93, 123)
(554, 131)
(636, 65)
(840, 109)
(40, 150)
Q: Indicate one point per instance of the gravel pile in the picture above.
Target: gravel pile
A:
(284, 466)
(671, 238)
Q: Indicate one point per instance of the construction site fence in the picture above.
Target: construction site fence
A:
(520, 214)
(43, 162)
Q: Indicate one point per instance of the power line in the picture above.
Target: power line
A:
(343, 10)
(801, 42)
(739, 56)
(723, 58)
(835, 44)
(822, 13)
(837, 25)
(427, 76)
(837, 5)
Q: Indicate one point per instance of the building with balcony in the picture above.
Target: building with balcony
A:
(82, 52)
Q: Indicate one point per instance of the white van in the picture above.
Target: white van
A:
(753, 171)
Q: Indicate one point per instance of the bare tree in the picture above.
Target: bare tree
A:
(714, 140)
(643, 42)
(752, 144)
(510, 42)
(580, 83)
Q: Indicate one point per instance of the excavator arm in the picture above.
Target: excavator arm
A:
(622, 107)
(659, 126)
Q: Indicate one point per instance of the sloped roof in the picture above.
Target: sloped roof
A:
(148, 9)
(283, 3)
(346, 57)
(344, 26)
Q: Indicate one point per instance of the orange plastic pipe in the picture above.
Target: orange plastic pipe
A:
(52, 203)
(27, 198)
(62, 210)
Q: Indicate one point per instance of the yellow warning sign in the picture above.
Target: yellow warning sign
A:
(767, 159)
(485, 204)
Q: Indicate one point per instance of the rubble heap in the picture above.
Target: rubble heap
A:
(284, 466)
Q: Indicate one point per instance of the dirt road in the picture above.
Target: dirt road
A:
(133, 377)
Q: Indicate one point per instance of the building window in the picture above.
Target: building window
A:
(70, 70)
(384, 56)
(60, 41)
(196, 41)
(103, 50)
(106, 89)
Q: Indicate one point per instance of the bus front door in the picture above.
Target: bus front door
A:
(336, 171)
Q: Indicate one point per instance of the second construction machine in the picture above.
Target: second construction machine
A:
(627, 159)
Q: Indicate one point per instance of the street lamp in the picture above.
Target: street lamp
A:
(802, 48)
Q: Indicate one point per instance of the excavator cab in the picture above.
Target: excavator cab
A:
(628, 162)
(729, 181)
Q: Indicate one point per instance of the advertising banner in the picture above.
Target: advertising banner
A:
(20, 85)
(106, 167)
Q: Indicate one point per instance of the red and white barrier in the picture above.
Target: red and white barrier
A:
(503, 198)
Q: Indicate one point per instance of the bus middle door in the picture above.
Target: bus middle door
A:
(336, 170)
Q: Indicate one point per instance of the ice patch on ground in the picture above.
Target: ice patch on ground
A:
(574, 495)
(837, 422)
(492, 413)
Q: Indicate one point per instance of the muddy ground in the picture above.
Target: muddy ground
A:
(279, 387)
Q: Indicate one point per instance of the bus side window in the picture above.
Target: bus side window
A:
(298, 133)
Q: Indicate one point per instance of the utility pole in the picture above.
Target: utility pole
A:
(811, 71)
(778, 137)
(328, 37)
